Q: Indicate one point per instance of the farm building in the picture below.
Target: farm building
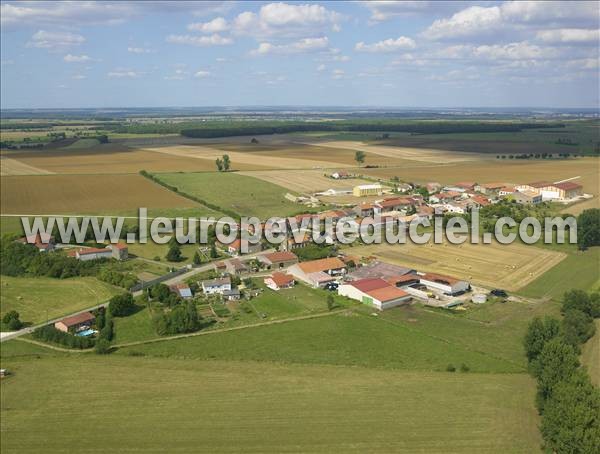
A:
(554, 191)
(75, 323)
(43, 241)
(182, 290)
(466, 185)
(116, 251)
(393, 204)
(376, 292)
(448, 285)
(318, 272)
(277, 260)
(277, 281)
(364, 210)
(363, 190)
(526, 197)
(404, 280)
(212, 286)
(380, 270)
(490, 189)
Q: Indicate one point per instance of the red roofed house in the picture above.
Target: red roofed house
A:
(235, 247)
(469, 185)
(278, 280)
(376, 292)
(43, 241)
(75, 323)
(393, 204)
(116, 251)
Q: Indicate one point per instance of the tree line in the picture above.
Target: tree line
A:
(569, 404)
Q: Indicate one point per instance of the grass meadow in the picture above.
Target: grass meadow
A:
(146, 404)
(37, 298)
(239, 193)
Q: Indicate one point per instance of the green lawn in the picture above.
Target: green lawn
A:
(579, 270)
(40, 297)
(241, 194)
(143, 404)
(351, 339)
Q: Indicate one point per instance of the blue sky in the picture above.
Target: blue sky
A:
(415, 54)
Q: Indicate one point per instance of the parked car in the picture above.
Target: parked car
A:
(499, 293)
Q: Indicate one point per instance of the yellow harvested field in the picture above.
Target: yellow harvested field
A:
(9, 166)
(304, 181)
(492, 265)
(75, 194)
(243, 160)
(110, 159)
(390, 153)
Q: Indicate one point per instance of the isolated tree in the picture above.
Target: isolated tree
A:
(219, 163)
(11, 320)
(196, 260)
(174, 254)
(213, 251)
(359, 157)
(121, 305)
(226, 162)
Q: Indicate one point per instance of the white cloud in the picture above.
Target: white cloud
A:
(321, 67)
(338, 74)
(569, 35)
(285, 20)
(178, 74)
(78, 76)
(80, 13)
(388, 45)
(69, 58)
(43, 39)
(512, 17)
(199, 41)
(123, 74)
(341, 58)
(302, 46)
(202, 74)
(388, 9)
(139, 50)
(513, 51)
(217, 25)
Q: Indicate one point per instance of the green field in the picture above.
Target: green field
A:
(241, 194)
(39, 298)
(124, 404)
(579, 270)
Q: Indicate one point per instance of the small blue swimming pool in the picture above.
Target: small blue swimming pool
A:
(86, 333)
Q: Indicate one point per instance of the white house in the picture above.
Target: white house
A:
(219, 286)
(375, 292)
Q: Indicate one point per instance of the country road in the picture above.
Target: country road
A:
(4, 336)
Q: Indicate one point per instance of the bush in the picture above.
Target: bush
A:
(464, 368)
(50, 334)
(121, 305)
(182, 319)
(102, 347)
(11, 321)
(450, 368)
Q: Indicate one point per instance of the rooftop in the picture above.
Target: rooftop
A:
(77, 319)
(314, 266)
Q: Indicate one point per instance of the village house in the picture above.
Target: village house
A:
(318, 273)
(182, 290)
(278, 281)
(490, 189)
(220, 267)
(433, 187)
(236, 266)
(506, 190)
(445, 196)
(212, 286)
(235, 248)
(364, 210)
(363, 190)
(375, 292)
(340, 175)
(296, 243)
(393, 204)
(232, 295)
(466, 185)
(403, 187)
(44, 242)
(75, 323)
(276, 260)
